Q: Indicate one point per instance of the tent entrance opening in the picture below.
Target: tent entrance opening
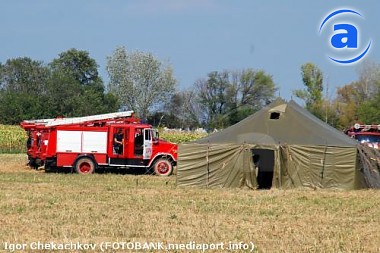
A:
(263, 160)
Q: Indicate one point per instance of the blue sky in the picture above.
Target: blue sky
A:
(196, 37)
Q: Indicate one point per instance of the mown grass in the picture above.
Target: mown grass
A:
(38, 206)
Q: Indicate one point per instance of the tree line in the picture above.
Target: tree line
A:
(358, 101)
(70, 86)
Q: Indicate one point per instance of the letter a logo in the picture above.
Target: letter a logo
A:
(345, 41)
(348, 39)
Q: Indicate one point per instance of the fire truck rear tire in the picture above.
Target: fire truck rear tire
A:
(163, 167)
(84, 166)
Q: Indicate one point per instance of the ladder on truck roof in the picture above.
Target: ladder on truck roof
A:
(28, 124)
(38, 121)
(90, 119)
(77, 120)
(364, 127)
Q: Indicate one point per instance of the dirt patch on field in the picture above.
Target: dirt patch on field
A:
(14, 163)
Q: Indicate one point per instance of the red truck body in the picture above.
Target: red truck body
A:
(85, 144)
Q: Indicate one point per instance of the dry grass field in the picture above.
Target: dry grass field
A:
(63, 208)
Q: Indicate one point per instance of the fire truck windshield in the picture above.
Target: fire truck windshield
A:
(368, 138)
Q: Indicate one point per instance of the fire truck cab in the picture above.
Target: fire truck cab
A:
(86, 145)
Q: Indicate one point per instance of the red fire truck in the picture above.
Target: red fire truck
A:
(367, 134)
(115, 140)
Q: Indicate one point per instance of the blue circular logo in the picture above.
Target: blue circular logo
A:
(345, 36)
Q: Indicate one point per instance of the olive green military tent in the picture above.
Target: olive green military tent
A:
(282, 146)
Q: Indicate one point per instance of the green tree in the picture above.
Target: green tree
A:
(312, 78)
(212, 98)
(358, 101)
(140, 81)
(78, 65)
(369, 108)
(369, 79)
(349, 98)
(75, 87)
(22, 90)
(227, 97)
(64, 96)
(254, 90)
(368, 112)
(183, 110)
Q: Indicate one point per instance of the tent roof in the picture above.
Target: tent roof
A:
(281, 122)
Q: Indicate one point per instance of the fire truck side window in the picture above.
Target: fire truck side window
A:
(139, 137)
(138, 141)
(148, 135)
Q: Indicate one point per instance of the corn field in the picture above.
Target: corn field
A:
(181, 137)
(12, 139)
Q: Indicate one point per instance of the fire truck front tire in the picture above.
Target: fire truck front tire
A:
(163, 167)
(84, 166)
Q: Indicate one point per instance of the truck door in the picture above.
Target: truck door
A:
(119, 142)
(147, 149)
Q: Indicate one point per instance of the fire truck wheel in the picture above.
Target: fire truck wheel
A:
(163, 167)
(84, 165)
